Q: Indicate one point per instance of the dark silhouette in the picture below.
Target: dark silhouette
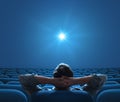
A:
(62, 80)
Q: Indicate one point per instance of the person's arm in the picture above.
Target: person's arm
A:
(36, 79)
(58, 82)
(92, 83)
(43, 79)
(87, 79)
(80, 80)
(30, 81)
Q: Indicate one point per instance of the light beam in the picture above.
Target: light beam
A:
(62, 36)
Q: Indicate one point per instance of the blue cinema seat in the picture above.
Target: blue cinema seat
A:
(111, 82)
(109, 86)
(110, 95)
(13, 82)
(61, 96)
(114, 79)
(11, 95)
(5, 80)
(10, 86)
(1, 82)
(14, 87)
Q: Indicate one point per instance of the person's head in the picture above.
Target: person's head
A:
(62, 70)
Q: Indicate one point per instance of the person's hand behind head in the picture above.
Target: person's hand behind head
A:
(63, 81)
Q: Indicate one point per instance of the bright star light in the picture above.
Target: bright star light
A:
(62, 36)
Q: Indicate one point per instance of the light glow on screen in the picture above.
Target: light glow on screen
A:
(62, 36)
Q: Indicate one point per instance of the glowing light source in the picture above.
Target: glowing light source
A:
(62, 36)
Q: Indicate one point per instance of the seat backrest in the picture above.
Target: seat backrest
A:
(111, 82)
(14, 87)
(5, 80)
(10, 86)
(12, 95)
(110, 95)
(61, 96)
(13, 82)
(109, 86)
(114, 79)
(1, 82)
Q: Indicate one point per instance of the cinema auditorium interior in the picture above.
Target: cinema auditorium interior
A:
(38, 35)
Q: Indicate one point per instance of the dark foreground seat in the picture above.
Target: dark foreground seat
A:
(110, 95)
(12, 95)
(14, 87)
(61, 96)
(110, 86)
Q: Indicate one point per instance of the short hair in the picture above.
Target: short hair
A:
(62, 70)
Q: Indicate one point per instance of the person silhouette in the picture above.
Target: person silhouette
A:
(62, 80)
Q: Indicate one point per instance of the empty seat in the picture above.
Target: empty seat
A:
(10, 95)
(1, 82)
(13, 82)
(5, 80)
(14, 87)
(10, 86)
(108, 86)
(111, 82)
(61, 96)
(114, 79)
(110, 95)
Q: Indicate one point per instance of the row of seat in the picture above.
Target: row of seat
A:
(11, 88)
(78, 72)
(12, 95)
(48, 89)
